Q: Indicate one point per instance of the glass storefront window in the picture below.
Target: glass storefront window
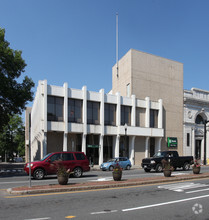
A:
(153, 118)
(125, 115)
(110, 114)
(55, 108)
(93, 112)
(75, 110)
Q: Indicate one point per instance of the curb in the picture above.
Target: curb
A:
(107, 185)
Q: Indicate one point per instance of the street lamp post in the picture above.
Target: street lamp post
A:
(205, 122)
(125, 145)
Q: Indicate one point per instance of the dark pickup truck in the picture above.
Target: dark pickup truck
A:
(176, 161)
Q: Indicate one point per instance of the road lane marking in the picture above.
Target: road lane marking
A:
(39, 218)
(165, 203)
(183, 186)
(70, 216)
(200, 190)
(103, 212)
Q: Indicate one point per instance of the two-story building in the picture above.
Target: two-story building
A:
(101, 125)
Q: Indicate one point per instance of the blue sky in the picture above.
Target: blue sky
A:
(74, 40)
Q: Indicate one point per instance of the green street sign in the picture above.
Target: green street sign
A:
(172, 142)
(93, 146)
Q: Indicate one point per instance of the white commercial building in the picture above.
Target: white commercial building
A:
(196, 112)
(101, 125)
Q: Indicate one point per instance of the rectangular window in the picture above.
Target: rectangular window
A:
(80, 156)
(67, 156)
(140, 117)
(188, 139)
(125, 115)
(128, 90)
(153, 118)
(75, 110)
(93, 112)
(55, 106)
(110, 114)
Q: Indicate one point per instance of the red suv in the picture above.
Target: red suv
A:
(76, 161)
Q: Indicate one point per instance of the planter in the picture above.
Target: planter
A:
(167, 173)
(196, 170)
(63, 179)
(117, 175)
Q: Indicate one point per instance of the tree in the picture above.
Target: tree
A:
(12, 137)
(13, 95)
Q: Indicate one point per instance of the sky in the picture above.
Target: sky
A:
(74, 41)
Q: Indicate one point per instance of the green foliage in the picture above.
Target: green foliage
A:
(14, 94)
(12, 137)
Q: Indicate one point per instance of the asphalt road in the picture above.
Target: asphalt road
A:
(179, 200)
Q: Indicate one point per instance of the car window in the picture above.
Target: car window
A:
(67, 156)
(55, 157)
(79, 156)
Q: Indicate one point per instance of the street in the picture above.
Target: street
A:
(179, 200)
(184, 200)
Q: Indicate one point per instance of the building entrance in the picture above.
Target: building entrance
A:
(152, 146)
(198, 149)
(92, 149)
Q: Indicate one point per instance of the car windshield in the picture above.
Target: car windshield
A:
(46, 156)
(159, 154)
(112, 160)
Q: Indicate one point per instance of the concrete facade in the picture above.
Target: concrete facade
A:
(62, 135)
(147, 75)
(196, 111)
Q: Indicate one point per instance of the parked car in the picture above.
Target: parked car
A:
(176, 161)
(77, 162)
(18, 159)
(124, 162)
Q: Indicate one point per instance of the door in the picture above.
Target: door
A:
(198, 149)
(68, 161)
(51, 166)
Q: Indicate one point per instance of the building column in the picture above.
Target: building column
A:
(147, 147)
(65, 117)
(132, 152)
(158, 146)
(44, 144)
(147, 114)
(101, 144)
(160, 114)
(193, 142)
(84, 119)
(45, 118)
(133, 112)
(117, 145)
(84, 143)
(118, 111)
(207, 146)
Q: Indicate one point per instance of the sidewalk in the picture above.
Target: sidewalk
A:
(93, 185)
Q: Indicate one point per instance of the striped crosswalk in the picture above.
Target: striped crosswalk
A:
(182, 187)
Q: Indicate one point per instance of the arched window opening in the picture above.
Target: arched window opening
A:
(199, 120)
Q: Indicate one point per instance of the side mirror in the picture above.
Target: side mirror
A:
(49, 160)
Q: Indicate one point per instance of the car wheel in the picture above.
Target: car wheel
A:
(111, 168)
(159, 168)
(77, 172)
(38, 174)
(128, 167)
(186, 166)
(147, 170)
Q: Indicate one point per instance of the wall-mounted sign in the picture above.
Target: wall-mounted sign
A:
(172, 142)
(93, 146)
